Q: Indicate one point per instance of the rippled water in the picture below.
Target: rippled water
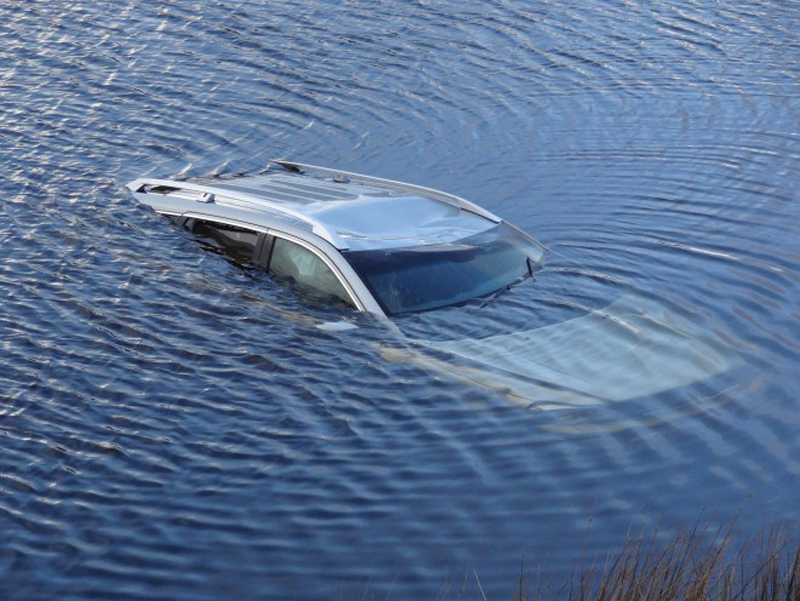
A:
(174, 427)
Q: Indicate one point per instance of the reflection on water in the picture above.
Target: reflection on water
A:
(174, 427)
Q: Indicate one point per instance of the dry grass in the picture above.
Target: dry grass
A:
(702, 565)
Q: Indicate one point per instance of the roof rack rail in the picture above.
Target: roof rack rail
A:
(208, 193)
(392, 184)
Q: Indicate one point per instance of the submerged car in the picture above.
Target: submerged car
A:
(377, 245)
(393, 249)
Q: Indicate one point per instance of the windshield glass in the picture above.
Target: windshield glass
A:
(405, 280)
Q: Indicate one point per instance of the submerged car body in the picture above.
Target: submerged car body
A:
(391, 249)
(380, 246)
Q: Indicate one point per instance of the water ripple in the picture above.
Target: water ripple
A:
(176, 427)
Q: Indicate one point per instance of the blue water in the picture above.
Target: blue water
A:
(174, 427)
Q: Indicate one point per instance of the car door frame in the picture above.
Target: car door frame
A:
(359, 294)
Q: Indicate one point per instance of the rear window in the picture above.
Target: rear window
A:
(237, 242)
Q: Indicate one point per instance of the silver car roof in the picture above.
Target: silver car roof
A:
(349, 210)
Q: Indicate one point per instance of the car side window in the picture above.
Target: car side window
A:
(237, 242)
(305, 271)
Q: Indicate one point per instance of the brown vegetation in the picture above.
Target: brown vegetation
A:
(702, 565)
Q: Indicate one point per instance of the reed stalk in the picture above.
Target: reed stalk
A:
(700, 565)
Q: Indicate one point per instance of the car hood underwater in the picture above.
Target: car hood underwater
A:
(635, 347)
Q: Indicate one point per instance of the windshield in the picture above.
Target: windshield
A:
(405, 280)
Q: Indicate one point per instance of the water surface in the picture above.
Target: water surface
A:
(175, 427)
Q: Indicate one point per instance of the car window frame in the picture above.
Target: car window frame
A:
(266, 257)
(265, 242)
(227, 244)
